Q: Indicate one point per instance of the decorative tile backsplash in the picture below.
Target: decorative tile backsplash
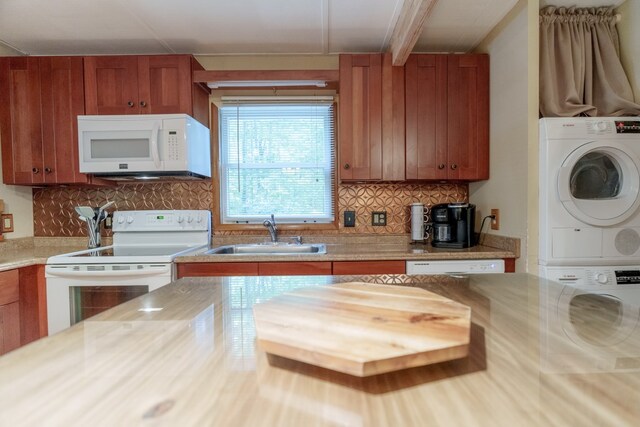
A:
(54, 213)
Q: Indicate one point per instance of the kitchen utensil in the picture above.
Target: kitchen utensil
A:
(102, 211)
(397, 327)
(85, 211)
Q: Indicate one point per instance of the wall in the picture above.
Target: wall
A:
(629, 31)
(17, 200)
(508, 188)
(54, 212)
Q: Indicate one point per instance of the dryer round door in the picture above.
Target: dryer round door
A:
(599, 184)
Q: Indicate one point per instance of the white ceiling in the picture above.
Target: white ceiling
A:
(81, 27)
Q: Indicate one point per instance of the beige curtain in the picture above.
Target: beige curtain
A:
(580, 69)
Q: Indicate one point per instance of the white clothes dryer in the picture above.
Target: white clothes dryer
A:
(589, 191)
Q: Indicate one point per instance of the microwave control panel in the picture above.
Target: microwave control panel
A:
(173, 145)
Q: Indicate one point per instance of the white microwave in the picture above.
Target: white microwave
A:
(144, 146)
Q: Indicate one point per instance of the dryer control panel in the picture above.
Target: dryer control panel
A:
(627, 126)
(593, 276)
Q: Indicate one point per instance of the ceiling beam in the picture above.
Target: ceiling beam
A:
(408, 28)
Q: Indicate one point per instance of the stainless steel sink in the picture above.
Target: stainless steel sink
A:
(270, 249)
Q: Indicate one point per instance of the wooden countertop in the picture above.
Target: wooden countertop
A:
(194, 363)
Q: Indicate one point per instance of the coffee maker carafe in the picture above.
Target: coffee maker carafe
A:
(453, 225)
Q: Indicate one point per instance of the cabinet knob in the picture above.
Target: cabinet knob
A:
(130, 104)
(347, 166)
(441, 166)
(48, 170)
(35, 170)
(143, 104)
(454, 166)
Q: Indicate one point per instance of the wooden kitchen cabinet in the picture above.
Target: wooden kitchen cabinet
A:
(254, 269)
(148, 84)
(9, 311)
(371, 117)
(369, 267)
(447, 117)
(40, 99)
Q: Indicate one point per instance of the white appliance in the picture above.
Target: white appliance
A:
(608, 297)
(145, 243)
(589, 191)
(474, 266)
(146, 145)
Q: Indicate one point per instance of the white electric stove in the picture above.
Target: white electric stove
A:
(145, 243)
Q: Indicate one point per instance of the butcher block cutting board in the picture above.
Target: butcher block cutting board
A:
(363, 329)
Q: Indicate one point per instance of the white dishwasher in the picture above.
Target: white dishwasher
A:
(467, 266)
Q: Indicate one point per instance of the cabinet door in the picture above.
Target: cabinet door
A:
(111, 84)
(426, 117)
(164, 84)
(9, 311)
(368, 267)
(294, 268)
(61, 80)
(360, 117)
(9, 327)
(20, 121)
(217, 269)
(468, 117)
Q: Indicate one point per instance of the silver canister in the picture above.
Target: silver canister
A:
(417, 222)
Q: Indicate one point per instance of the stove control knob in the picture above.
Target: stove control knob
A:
(129, 219)
(180, 219)
(189, 218)
(199, 219)
(601, 126)
(121, 220)
(601, 278)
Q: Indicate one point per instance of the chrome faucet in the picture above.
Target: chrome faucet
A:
(273, 229)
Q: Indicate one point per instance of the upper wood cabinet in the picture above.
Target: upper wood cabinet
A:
(40, 98)
(156, 84)
(371, 119)
(447, 117)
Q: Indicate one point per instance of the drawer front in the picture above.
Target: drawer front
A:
(9, 290)
(368, 267)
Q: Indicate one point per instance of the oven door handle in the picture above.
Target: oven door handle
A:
(107, 273)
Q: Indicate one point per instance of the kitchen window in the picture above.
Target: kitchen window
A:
(277, 156)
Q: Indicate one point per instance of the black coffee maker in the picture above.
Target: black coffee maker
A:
(453, 225)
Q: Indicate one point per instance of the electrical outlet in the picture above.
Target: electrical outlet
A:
(349, 218)
(379, 218)
(495, 221)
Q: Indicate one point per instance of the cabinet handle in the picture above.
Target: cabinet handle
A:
(47, 170)
(35, 170)
(143, 104)
(454, 166)
(130, 104)
(347, 166)
(441, 166)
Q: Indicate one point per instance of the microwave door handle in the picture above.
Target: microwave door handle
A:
(155, 152)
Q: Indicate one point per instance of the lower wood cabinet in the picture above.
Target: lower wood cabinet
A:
(369, 267)
(289, 268)
(9, 311)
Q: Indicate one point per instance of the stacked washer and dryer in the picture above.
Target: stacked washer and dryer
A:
(590, 200)
(590, 243)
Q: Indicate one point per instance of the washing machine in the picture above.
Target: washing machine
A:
(589, 191)
(589, 324)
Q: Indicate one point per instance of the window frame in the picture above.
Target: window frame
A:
(218, 193)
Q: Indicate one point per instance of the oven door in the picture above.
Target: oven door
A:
(77, 292)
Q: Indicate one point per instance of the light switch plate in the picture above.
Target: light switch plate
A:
(349, 218)
(7, 223)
